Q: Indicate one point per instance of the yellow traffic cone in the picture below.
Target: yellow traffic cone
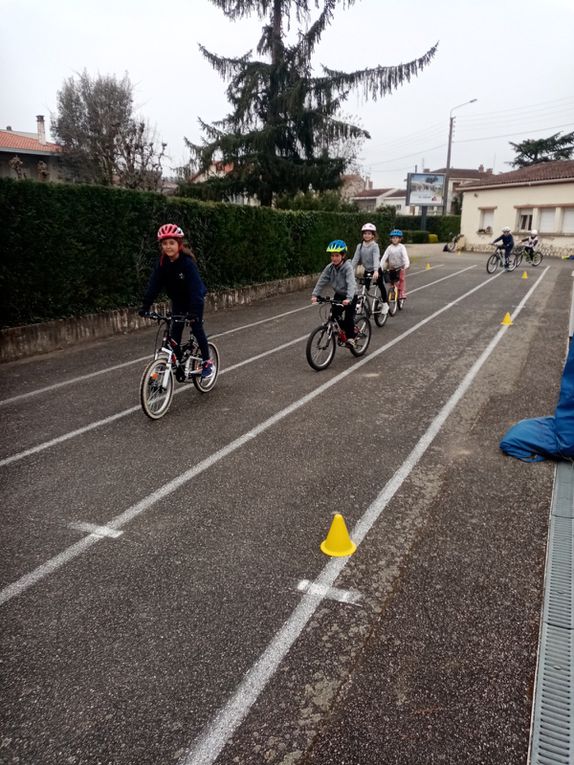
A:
(524, 275)
(338, 542)
(427, 266)
(507, 321)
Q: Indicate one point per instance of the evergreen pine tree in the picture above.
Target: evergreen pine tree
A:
(284, 123)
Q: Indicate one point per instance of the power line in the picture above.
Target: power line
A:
(518, 132)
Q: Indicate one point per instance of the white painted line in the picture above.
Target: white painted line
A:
(112, 418)
(215, 736)
(330, 593)
(164, 491)
(81, 378)
(92, 528)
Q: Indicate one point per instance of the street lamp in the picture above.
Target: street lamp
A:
(450, 128)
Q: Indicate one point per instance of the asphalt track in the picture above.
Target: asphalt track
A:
(164, 598)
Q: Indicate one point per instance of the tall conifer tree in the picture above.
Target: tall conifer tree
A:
(277, 137)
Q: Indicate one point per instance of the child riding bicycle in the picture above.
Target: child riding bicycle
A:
(178, 275)
(507, 243)
(396, 260)
(368, 255)
(531, 242)
(339, 275)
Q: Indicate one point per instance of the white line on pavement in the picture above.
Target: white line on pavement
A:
(119, 415)
(164, 491)
(216, 734)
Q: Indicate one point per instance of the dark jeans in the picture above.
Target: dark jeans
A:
(345, 315)
(380, 283)
(196, 328)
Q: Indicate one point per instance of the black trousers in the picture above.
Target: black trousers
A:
(196, 328)
(345, 315)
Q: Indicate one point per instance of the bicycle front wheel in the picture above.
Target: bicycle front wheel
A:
(362, 337)
(380, 317)
(392, 301)
(205, 384)
(156, 389)
(492, 264)
(536, 259)
(320, 347)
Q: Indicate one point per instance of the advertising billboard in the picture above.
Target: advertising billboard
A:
(425, 189)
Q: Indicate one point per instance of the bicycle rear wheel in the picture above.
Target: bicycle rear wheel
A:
(518, 257)
(204, 385)
(512, 262)
(362, 337)
(380, 317)
(321, 347)
(393, 301)
(492, 264)
(154, 397)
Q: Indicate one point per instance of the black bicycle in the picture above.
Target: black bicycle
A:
(157, 383)
(528, 254)
(325, 338)
(451, 246)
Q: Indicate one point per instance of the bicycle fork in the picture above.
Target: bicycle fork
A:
(170, 358)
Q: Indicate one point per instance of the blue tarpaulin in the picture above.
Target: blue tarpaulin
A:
(546, 437)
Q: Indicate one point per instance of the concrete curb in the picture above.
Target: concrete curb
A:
(33, 339)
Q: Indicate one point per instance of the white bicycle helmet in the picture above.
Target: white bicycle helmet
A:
(534, 232)
(369, 227)
(506, 229)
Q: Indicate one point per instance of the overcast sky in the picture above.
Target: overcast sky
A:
(516, 57)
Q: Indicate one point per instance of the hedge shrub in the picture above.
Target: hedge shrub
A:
(72, 249)
(444, 226)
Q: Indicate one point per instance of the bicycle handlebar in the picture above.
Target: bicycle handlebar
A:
(321, 299)
(168, 317)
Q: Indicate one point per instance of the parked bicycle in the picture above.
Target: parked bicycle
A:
(496, 260)
(325, 338)
(530, 255)
(369, 302)
(157, 383)
(451, 245)
(391, 276)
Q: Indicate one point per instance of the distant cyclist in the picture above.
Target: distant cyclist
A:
(178, 275)
(531, 242)
(340, 276)
(507, 241)
(396, 259)
(368, 255)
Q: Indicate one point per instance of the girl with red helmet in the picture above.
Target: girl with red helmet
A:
(178, 275)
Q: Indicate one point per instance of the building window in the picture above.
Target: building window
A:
(568, 221)
(525, 220)
(486, 219)
(547, 222)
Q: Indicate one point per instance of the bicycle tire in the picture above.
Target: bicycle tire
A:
(511, 262)
(320, 349)
(392, 300)
(518, 256)
(362, 338)
(400, 304)
(154, 398)
(201, 384)
(536, 258)
(451, 246)
(380, 317)
(492, 263)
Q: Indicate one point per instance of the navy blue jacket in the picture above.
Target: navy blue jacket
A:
(181, 281)
(507, 241)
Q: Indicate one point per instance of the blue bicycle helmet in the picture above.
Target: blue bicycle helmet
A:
(337, 245)
(396, 232)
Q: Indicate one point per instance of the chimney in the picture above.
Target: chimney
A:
(8, 127)
(370, 184)
(41, 129)
(481, 168)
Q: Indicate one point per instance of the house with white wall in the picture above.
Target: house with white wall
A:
(29, 155)
(539, 196)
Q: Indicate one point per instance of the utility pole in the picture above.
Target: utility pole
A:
(448, 153)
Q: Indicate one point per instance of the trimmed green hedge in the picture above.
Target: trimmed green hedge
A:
(73, 249)
(444, 226)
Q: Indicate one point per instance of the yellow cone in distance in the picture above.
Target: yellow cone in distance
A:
(338, 542)
(524, 275)
(507, 321)
(427, 266)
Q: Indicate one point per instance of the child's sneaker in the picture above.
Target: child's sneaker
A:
(207, 370)
(351, 343)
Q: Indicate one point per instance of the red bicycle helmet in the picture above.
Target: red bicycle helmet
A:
(169, 231)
